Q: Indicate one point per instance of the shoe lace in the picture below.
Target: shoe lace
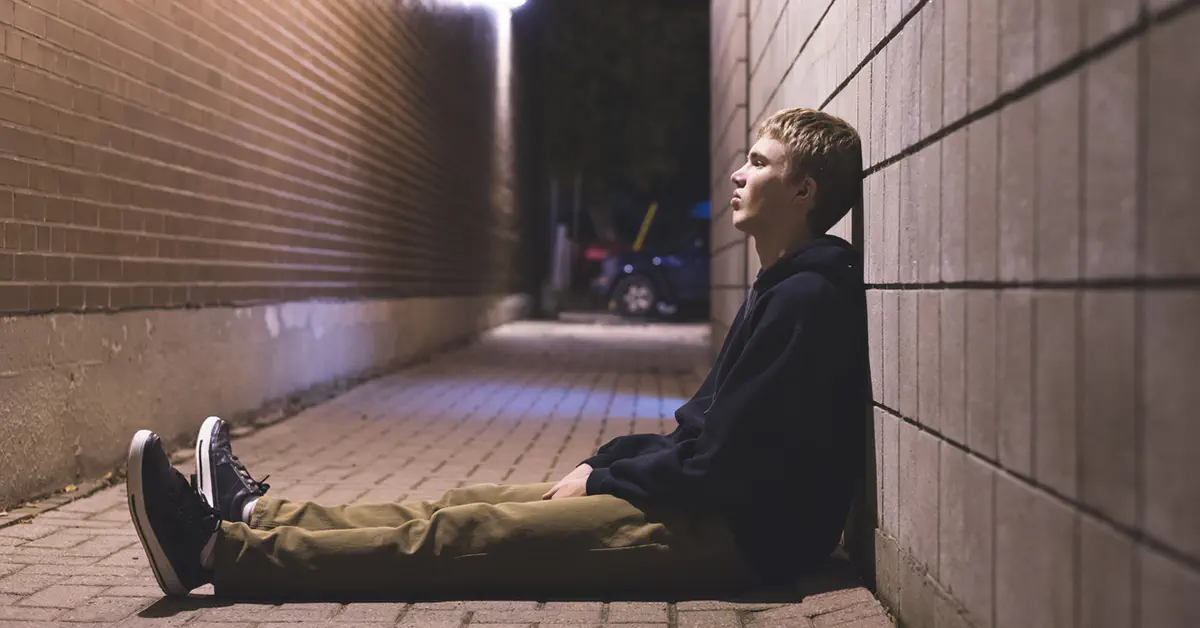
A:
(190, 505)
(258, 486)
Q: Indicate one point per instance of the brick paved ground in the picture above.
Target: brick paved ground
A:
(525, 404)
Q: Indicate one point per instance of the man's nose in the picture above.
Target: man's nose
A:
(736, 177)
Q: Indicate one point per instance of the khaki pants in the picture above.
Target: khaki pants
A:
(479, 541)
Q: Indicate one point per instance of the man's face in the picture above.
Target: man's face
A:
(762, 197)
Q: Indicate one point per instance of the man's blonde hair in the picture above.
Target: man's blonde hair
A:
(823, 147)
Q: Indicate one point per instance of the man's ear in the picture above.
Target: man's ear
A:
(807, 189)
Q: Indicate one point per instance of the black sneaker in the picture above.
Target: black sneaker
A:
(172, 521)
(220, 477)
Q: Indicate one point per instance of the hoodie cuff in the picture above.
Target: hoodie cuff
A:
(597, 461)
(596, 480)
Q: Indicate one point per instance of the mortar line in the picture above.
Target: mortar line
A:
(1139, 312)
(1095, 284)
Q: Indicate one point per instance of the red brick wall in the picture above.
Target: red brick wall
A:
(202, 152)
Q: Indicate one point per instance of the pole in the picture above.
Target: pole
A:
(553, 217)
(641, 236)
(578, 206)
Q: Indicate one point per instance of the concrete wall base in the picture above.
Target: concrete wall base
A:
(911, 594)
(75, 387)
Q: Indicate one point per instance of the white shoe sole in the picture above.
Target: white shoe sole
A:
(205, 479)
(168, 580)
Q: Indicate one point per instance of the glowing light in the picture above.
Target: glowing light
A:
(495, 5)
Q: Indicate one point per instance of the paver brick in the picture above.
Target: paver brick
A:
(111, 581)
(877, 620)
(537, 616)
(864, 610)
(474, 605)
(573, 606)
(61, 595)
(22, 583)
(86, 570)
(14, 614)
(423, 616)
(149, 589)
(107, 609)
(722, 605)
(322, 624)
(302, 612)
(116, 513)
(103, 545)
(85, 526)
(247, 612)
(29, 531)
(126, 557)
(387, 612)
(789, 616)
(708, 619)
(168, 613)
(628, 612)
(45, 556)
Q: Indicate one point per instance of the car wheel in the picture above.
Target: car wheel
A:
(635, 296)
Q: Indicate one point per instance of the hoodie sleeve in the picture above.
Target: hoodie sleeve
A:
(772, 407)
(629, 446)
(633, 445)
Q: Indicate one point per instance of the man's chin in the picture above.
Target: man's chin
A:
(740, 220)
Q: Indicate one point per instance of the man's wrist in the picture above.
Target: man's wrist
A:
(597, 461)
(596, 480)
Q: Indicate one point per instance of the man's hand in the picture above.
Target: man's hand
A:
(573, 485)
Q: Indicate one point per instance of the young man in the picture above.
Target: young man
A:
(753, 486)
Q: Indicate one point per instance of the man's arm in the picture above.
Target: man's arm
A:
(773, 406)
(634, 445)
(627, 447)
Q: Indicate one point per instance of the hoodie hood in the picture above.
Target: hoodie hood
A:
(829, 255)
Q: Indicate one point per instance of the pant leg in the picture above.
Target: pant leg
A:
(584, 546)
(273, 513)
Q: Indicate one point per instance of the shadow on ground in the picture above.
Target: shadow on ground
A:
(836, 575)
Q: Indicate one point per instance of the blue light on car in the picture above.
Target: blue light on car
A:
(657, 261)
(629, 268)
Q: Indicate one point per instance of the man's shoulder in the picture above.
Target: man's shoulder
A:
(803, 290)
(811, 296)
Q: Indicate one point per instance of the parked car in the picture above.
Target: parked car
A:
(662, 282)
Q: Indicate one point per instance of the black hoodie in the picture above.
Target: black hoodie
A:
(775, 436)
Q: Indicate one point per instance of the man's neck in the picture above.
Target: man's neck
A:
(772, 247)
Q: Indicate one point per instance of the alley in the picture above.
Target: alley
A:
(526, 403)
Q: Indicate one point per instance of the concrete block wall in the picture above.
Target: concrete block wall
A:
(731, 252)
(185, 183)
(1029, 230)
